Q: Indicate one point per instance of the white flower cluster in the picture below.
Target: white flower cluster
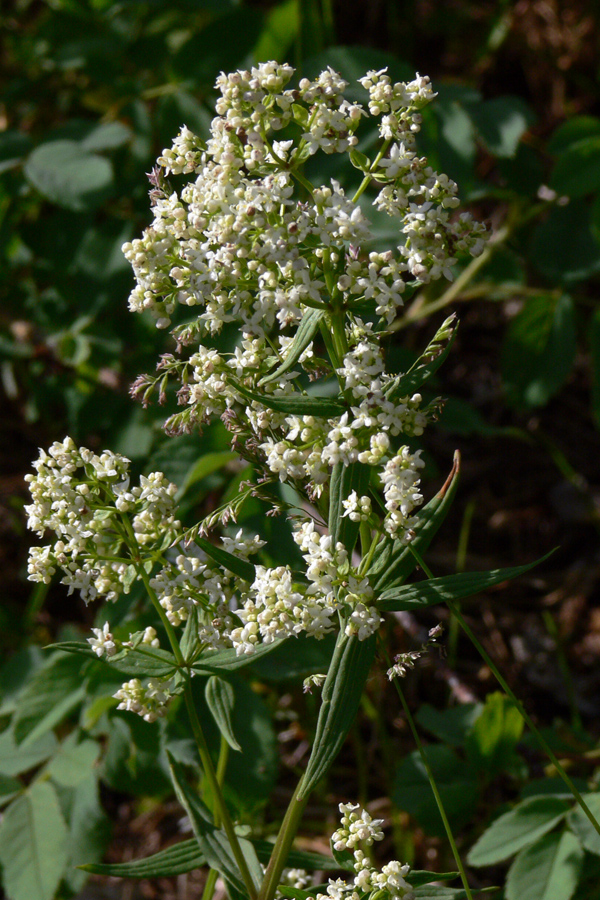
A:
(86, 499)
(358, 828)
(148, 701)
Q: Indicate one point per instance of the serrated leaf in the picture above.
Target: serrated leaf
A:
(52, 694)
(393, 561)
(307, 329)
(344, 480)
(427, 364)
(15, 759)
(220, 698)
(340, 699)
(68, 175)
(235, 564)
(548, 870)
(212, 841)
(297, 404)
(74, 761)
(519, 828)
(449, 587)
(581, 825)
(33, 844)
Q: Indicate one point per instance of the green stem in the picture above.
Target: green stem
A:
(283, 845)
(209, 886)
(430, 776)
(369, 176)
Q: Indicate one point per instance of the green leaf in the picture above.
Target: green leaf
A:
(581, 825)
(449, 725)
(89, 831)
(427, 364)
(106, 136)
(519, 828)
(212, 841)
(393, 562)
(577, 170)
(307, 329)
(548, 870)
(441, 892)
(418, 877)
(80, 647)
(360, 161)
(340, 700)
(495, 734)
(539, 350)
(176, 860)
(33, 844)
(144, 661)
(501, 123)
(296, 404)
(52, 694)
(309, 657)
(9, 788)
(229, 661)
(240, 567)
(457, 785)
(15, 759)
(206, 465)
(344, 480)
(573, 131)
(70, 176)
(74, 761)
(563, 247)
(190, 643)
(449, 587)
(14, 145)
(220, 697)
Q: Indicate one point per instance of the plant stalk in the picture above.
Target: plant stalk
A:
(283, 845)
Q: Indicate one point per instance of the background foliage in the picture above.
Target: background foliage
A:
(94, 89)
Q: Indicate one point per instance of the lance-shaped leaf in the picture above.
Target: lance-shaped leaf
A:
(393, 561)
(344, 480)
(441, 892)
(307, 329)
(187, 856)
(212, 841)
(235, 564)
(145, 661)
(429, 362)
(229, 661)
(220, 698)
(341, 695)
(191, 644)
(448, 588)
(297, 404)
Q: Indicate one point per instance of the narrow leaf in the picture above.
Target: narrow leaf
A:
(307, 329)
(206, 465)
(449, 587)
(418, 877)
(240, 567)
(393, 561)
(581, 825)
(344, 480)
(175, 860)
(427, 364)
(144, 661)
(548, 870)
(33, 844)
(229, 661)
(519, 828)
(296, 404)
(340, 700)
(220, 697)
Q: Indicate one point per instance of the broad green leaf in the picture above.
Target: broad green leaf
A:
(33, 844)
(457, 785)
(577, 169)
(144, 661)
(581, 825)
(229, 661)
(548, 870)
(52, 694)
(235, 564)
(563, 247)
(89, 831)
(449, 725)
(307, 329)
(519, 828)
(501, 123)
(74, 761)
(296, 404)
(106, 136)
(340, 699)
(449, 587)
(15, 759)
(212, 841)
(70, 176)
(572, 132)
(495, 734)
(133, 762)
(539, 350)
(220, 697)
(427, 364)
(393, 562)
(344, 480)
